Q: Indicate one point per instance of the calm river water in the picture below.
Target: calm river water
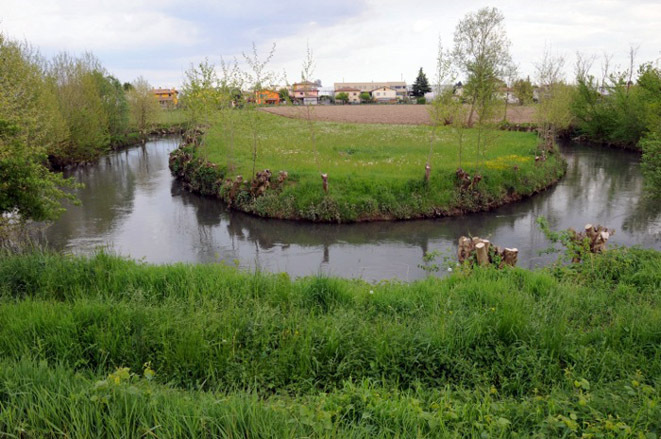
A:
(132, 206)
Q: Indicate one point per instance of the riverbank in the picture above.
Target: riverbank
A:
(108, 344)
(375, 172)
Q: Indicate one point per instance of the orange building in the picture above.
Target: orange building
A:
(267, 97)
(167, 97)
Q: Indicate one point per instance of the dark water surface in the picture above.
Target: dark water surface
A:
(134, 207)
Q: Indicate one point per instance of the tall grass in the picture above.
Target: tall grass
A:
(553, 352)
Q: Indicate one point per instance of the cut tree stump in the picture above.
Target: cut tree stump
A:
(481, 251)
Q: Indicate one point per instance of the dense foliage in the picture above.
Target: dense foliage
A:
(30, 125)
(618, 112)
(109, 345)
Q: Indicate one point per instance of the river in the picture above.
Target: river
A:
(132, 206)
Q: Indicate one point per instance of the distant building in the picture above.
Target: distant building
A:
(167, 97)
(353, 93)
(306, 93)
(384, 94)
(267, 97)
(398, 86)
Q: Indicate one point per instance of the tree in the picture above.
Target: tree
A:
(284, 95)
(523, 91)
(365, 97)
(555, 99)
(201, 94)
(342, 96)
(144, 105)
(421, 85)
(81, 105)
(29, 125)
(481, 51)
(443, 108)
(257, 77)
(115, 105)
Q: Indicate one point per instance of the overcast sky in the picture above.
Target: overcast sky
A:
(352, 40)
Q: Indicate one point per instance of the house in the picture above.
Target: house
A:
(306, 93)
(353, 93)
(167, 97)
(398, 86)
(384, 94)
(267, 97)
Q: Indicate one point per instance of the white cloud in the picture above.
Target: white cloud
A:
(96, 26)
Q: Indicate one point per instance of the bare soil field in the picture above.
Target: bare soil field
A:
(387, 114)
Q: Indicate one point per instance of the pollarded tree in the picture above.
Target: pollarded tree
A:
(421, 85)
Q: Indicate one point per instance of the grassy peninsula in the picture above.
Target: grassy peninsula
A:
(375, 171)
(108, 347)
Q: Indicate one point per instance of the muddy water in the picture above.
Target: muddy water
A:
(132, 206)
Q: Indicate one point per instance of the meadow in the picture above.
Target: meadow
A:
(375, 171)
(108, 347)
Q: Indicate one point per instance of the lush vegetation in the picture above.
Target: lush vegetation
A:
(110, 347)
(59, 112)
(618, 111)
(374, 171)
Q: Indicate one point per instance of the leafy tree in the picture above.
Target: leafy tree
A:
(81, 105)
(365, 97)
(115, 105)
(523, 91)
(29, 126)
(201, 93)
(481, 52)
(342, 96)
(421, 85)
(144, 105)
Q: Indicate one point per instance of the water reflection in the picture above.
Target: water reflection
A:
(132, 205)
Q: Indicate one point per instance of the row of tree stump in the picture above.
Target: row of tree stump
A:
(483, 253)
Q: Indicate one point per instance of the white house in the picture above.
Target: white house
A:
(384, 94)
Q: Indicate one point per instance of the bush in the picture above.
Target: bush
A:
(421, 100)
(651, 164)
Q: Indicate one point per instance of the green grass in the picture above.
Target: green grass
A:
(375, 171)
(514, 353)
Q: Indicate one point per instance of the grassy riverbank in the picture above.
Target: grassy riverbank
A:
(213, 351)
(375, 171)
